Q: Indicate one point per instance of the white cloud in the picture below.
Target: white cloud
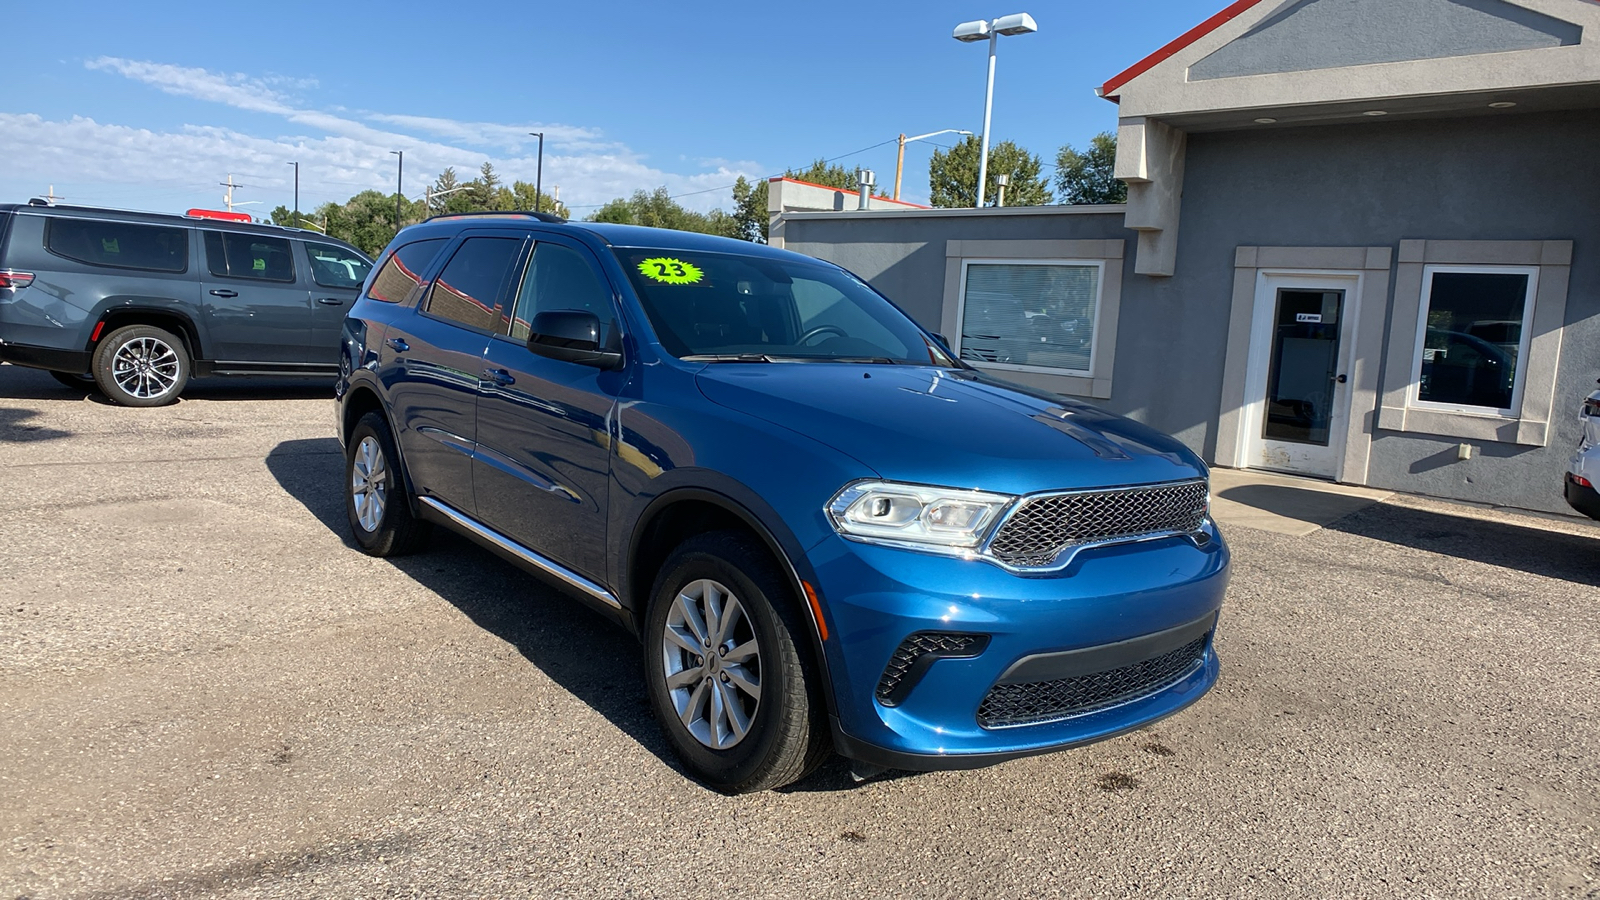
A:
(338, 154)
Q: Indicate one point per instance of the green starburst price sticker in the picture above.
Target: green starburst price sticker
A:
(670, 271)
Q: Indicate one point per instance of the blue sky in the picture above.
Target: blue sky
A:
(151, 105)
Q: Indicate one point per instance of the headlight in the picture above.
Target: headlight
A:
(943, 520)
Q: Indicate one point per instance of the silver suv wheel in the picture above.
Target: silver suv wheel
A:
(369, 483)
(712, 661)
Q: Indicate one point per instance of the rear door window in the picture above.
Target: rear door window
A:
(334, 266)
(402, 271)
(468, 290)
(249, 256)
(121, 245)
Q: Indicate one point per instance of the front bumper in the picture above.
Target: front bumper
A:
(1116, 606)
(1584, 499)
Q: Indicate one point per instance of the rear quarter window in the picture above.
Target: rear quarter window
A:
(119, 245)
(402, 270)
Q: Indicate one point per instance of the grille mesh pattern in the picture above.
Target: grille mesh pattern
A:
(1036, 533)
(1044, 701)
(915, 647)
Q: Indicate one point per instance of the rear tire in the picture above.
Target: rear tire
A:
(141, 365)
(728, 670)
(375, 498)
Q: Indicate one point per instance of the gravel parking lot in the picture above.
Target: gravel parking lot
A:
(206, 692)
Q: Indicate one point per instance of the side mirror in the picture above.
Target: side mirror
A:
(943, 342)
(571, 335)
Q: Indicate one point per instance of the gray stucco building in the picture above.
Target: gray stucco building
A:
(1360, 243)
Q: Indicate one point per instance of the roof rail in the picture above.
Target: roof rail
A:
(502, 214)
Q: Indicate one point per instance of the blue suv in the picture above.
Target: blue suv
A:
(828, 531)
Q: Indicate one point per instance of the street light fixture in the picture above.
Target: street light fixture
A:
(399, 184)
(900, 161)
(970, 32)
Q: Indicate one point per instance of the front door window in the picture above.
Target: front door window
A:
(1304, 367)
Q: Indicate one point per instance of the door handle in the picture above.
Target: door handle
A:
(221, 293)
(1343, 379)
(330, 301)
(498, 376)
(398, 345)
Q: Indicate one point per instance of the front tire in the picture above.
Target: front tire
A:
(727, 668)
(375, 498)
(141, 365)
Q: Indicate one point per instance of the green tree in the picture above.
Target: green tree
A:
(282, 215)
(485, 190)
(1086, 177)
(657, 209)
(446, 195)
(953, 175)
(522, 197)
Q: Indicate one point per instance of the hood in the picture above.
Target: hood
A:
(950, 427)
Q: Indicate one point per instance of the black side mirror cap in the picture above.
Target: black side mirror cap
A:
(571, 335)
(943, 341)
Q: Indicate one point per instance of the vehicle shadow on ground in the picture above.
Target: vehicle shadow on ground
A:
(587, 656)
(14, 427)
(1537, 551)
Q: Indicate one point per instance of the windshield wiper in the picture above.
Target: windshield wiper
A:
(728, 357)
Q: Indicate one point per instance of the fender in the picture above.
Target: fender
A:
(114, 309)
(730, 495)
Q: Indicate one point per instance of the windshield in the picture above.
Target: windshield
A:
(725, 307)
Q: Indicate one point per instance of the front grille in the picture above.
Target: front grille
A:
(1048, 701)
(894, 686)
(1042, 527)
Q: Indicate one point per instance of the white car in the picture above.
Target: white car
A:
(1583, 473)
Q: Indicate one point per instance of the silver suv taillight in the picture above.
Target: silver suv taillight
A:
(10, 278)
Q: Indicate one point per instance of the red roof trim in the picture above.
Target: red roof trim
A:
(829, 187)
(1109, 89)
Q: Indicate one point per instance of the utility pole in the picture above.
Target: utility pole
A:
(296, 193)
(51, 197)
(399, 185)
(538, 175)
(228, 197)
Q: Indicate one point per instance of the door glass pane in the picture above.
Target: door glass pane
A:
(1305, 357)
(1474, 336)
(337, 267)
(469, 286)
(560, 278)
(248, 256)
(123, 245)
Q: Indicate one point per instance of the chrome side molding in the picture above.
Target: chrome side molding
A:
(542, 563)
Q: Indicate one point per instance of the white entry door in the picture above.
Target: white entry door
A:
(1298, 386)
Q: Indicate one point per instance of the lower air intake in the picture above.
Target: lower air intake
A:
(1036, 702)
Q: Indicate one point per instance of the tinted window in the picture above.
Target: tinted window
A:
(468, 290)
(335, 266)
(125, 245)
(248, 256)
(1472, 346)
(560, 278)
(403, 270)
(725, 305)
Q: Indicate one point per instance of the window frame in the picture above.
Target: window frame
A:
(1099, 305)
(421, 284)
(224, 235)
(1424, 303)
(524, 265)
(188, 240)
(449, 255)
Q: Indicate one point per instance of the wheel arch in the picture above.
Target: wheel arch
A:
(358, 400)
(178, 323)
(682, 511)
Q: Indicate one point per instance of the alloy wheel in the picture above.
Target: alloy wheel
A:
(369, 489)
(146, 368)
(712, 660)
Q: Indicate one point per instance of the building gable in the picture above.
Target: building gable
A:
(1328, 34)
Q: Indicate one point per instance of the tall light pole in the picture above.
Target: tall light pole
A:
(969, 32)
(296, 193)
(900, 161)
(399, 184)
(538, 174)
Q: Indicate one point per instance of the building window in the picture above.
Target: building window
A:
(1473, 338)
(1035, 315)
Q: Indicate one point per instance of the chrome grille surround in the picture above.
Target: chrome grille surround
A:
(1042, 532)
